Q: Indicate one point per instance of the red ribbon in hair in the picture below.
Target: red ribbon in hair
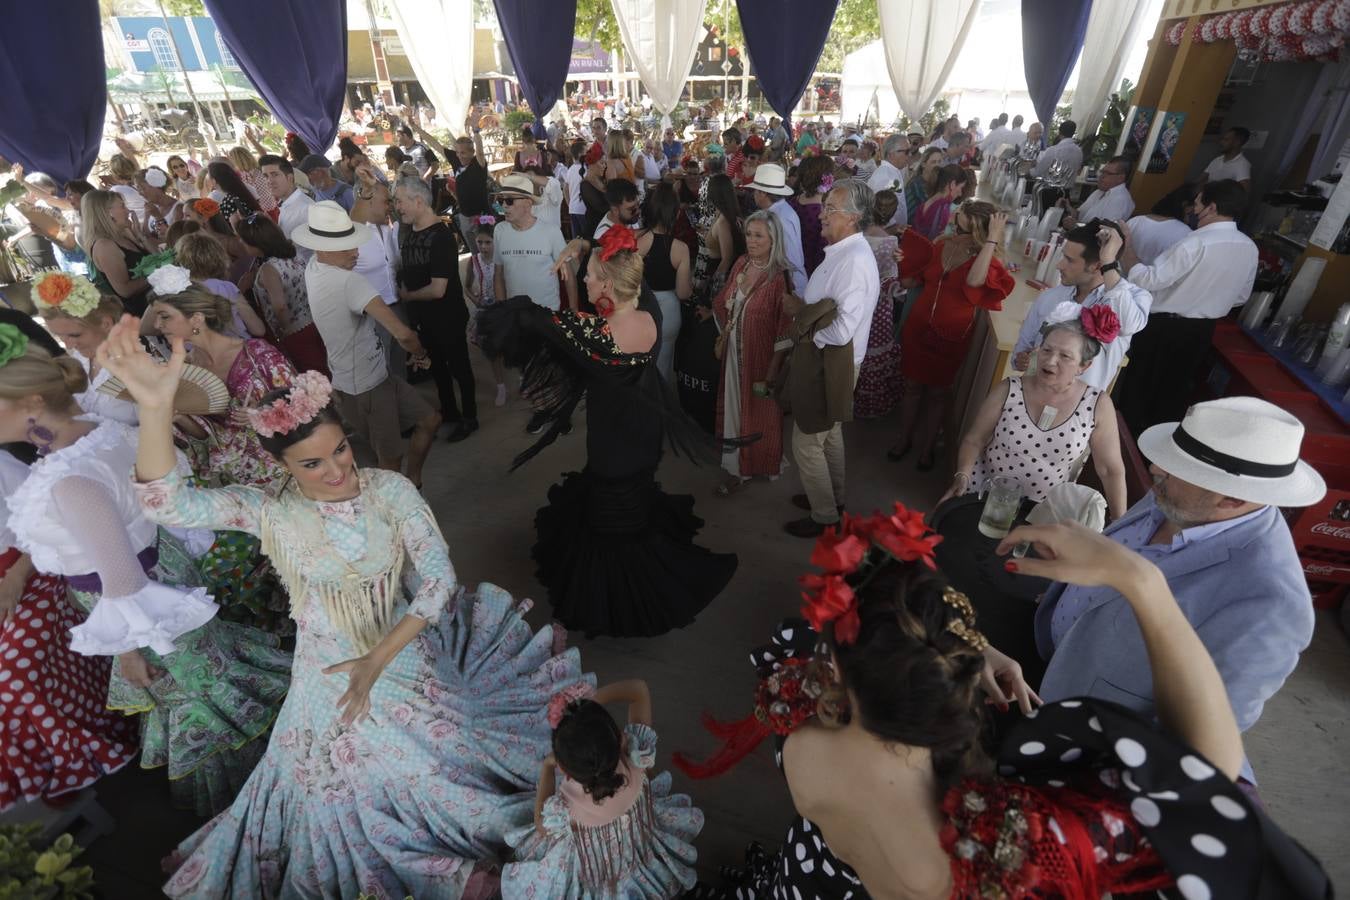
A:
(617, 239)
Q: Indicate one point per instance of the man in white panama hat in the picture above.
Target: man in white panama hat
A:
(1212, 524)
(374, 403)
(524, 247)
(770, 191)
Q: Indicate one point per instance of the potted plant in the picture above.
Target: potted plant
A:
(27, 874)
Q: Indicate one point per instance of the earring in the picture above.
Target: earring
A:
(196, 331)
(40, 437)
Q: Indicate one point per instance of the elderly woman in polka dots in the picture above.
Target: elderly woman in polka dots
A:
(880, 700)
(1040, 427)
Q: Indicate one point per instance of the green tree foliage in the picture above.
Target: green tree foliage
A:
(855, 24)
(595, 20)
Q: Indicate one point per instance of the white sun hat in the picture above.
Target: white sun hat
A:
(330, 228)
(1241, 447)
(771, 179)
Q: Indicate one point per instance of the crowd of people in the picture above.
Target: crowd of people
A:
(199, 571)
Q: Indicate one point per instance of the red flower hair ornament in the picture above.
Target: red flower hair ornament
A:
(860, 546)
(615, 240)
(1101, 322)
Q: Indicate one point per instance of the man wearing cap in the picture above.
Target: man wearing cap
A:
(375, 404)
(293, 203)
(770, 191)
(1213, 525)
(321, 181)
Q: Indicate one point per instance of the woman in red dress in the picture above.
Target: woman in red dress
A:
(960, 275)
(753, 329)
(56, 736)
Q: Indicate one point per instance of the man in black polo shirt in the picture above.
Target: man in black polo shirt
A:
(428, 283)
(471, 183)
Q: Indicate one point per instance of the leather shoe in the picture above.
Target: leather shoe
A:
(462, 429)
(802, 502)
(805, 528)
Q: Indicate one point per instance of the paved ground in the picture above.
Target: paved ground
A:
(1298, 748)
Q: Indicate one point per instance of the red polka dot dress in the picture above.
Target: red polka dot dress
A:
(56, 737)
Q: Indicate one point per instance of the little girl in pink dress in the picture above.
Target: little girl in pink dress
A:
(602, 828)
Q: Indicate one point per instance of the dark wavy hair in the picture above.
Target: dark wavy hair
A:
(228, 180)
(915, 682)
(277, 444)
(588, 745)
(722, 196)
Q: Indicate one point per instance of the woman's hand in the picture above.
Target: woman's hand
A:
(137, 669)
(362, 673)
(11, 592)
(1003, 682)
(960, 484)
(899, 256)
(998, 221)
(152, 384)
(572, 253)
(1075, 554)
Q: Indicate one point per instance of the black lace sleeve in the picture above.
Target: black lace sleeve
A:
(559, 354)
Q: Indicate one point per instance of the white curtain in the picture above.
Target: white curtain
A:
(1112, 31)
(661, 38)
(437, 35)
(922, 39)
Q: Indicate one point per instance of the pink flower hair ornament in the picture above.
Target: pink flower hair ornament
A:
(309, 395)
(558, 703)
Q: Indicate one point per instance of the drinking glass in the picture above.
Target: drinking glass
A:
(1000, 506)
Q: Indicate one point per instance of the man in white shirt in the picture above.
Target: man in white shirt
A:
(1230, 163)
(376, 405)
(848, 276)
(770, 191)
(999, 135)
(1064, 151)
(1091, 277)
(1194, 284)
(890, 174)
(624, 206)
(1016, 136)
(1110, 201)
(294, 203)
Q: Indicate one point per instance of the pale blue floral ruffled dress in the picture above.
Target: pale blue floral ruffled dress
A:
(644, 854)
(418, 799)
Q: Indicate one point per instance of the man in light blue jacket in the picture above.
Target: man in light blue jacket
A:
(1212, 524)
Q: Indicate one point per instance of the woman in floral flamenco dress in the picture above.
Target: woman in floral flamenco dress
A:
(417, 710)
(205, 690)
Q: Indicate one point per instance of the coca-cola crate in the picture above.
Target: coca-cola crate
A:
(1327, 595)
(1322, 537)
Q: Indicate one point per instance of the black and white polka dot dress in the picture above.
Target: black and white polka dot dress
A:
(1039, 459)
(1151, 798)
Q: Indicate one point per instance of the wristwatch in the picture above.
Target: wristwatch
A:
(1112, 266)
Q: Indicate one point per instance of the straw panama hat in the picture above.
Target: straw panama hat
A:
(771, 179)
(330, 228)
(1241, 447)
(516, 186)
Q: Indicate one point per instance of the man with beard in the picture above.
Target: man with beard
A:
(1213, 525)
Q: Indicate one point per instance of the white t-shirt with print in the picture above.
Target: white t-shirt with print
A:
(525, 259)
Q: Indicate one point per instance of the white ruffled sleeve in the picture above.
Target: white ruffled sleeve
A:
(132, 611)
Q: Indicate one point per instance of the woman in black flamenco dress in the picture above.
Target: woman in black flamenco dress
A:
(616, 554)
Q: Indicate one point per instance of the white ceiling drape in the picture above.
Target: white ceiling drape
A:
(661, 38)
(922, 39)
(1112, 31)
(437, 35)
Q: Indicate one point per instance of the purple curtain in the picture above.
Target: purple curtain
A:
(295, 53)
(538, 36)
(785, 38)
(1052, 36)
(51, 111)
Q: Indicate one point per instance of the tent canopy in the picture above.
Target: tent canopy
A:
(133, 87)
(865, 90)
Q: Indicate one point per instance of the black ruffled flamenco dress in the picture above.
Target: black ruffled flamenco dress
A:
(616, 553)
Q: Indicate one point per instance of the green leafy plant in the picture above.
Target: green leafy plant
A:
(1101, 146)
(29, 874)
(516, 119)
(271, 133)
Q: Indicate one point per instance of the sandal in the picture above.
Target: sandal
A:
(730, 486)
(895, 455)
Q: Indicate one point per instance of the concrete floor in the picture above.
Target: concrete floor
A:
(1298, 749)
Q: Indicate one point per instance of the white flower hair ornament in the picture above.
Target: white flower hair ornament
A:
(167, 280)
(1065, 311)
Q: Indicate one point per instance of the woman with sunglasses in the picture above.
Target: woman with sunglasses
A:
(184, 180)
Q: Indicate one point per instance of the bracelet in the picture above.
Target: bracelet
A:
(995, 243)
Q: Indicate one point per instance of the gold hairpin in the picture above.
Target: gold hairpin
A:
(964, 627)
